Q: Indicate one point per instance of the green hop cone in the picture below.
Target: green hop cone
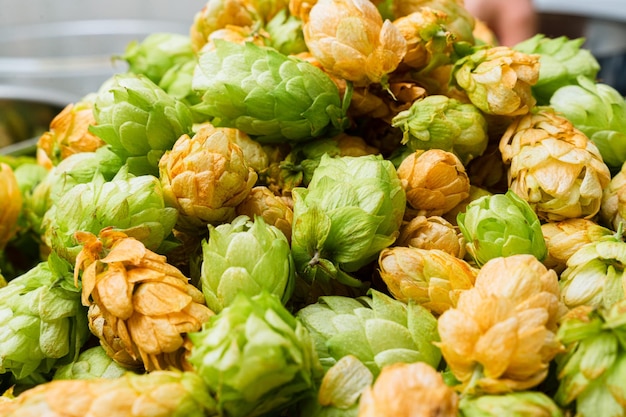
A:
(501, 225)
(351, 210)
(79, 168)
(561, 61)
(376, 329)
(157, 53)
(594, 275)
(592, 372)
(255, 357)
(134, 205)
(285, 33)
(154, 394)
(177, 83)
(599, 111)
(139, 120)
(440, 122)
(270, 96)
(92, 363)
(247, 257)
(515, 404)
(43, 322)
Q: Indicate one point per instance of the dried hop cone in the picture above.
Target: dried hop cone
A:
(262, 202)
(432, 278)
(68, 134)
(565, 237)
(141, 307)
(351, 41)
(613, 205)
(205, 177)
(409, 389)
(156, 394)
(432, 232)
(554, 166)
(435, 181)
(498, 80)
(11, 207)
(501, 336)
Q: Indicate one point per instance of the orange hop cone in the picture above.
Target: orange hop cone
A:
(140, 307)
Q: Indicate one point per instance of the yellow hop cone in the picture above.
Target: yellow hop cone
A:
(351, 41)
(274, 210)
(11, 205)
(459, 20)
(218, 14)
(236, 34)
(613, 205)
(156, 394)
(429, 43)
(429, 277)
(554, 166)
(501, 336)
(498, 80)
(141, 307)
(205, 177)
(68, 134)
(435, 181)
(409, 390)
(565, 237)
(432, 232)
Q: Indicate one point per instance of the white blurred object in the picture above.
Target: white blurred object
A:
(69, 45)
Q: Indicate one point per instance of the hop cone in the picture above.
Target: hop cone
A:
(139, 120)
(429, 42)
(218, 14)
(613, 205)
(501, 336)
(554, 166)
(595, 274)
(377, 329)
(274, 211)
(11, 207)
(79, 168)
(435, 181)
(92, 363)
(351, 41)
(564, 238)
(591, 373)
(43, 323)
(351, 210)
(409, 389)
(68, 134)
(247, 257)
(205, 177)
(432, 232)
(431, 278)
(156, 394)
(276, 99)
(141, 307)
(255, 357)
(501, 225)
(285, 33)
(459, 21)
(498, 80)
(128, 203)
(599, 111)
(561, 61)
(515, 404)
(157, 53)
(440, 122)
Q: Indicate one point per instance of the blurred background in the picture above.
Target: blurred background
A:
(66, 45)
